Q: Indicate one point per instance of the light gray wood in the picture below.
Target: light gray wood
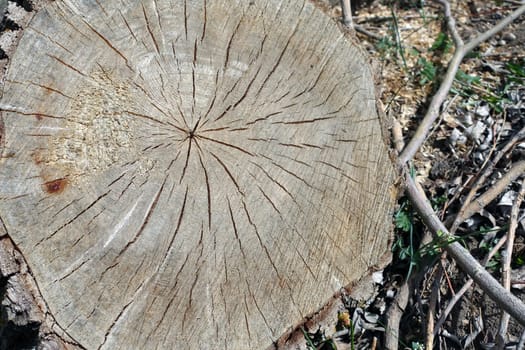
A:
(198, 174)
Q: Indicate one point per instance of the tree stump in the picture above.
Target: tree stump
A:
(191, 174)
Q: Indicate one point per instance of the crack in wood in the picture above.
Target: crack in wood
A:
(190, 175)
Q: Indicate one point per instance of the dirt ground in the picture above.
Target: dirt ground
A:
(410, 47)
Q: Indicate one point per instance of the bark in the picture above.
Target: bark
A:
(190, 174)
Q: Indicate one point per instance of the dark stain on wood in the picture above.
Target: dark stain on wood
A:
(56, 186)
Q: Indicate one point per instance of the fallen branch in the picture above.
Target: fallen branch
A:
(468, 264)
(347, 13)
(456, 297)
(475, 206)
(393, 317)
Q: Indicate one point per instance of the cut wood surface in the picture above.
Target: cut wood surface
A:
(198, 174)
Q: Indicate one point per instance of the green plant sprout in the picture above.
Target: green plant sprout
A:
(442, 43)
(404, 221)
(427, 71)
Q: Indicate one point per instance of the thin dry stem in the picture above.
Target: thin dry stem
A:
(475, 206)
(374, 344)
(478, 327)
(451, 23)
(363, 30)
(432, 304)
(507, 259)
(484, 175)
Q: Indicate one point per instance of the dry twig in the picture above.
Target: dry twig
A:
(489, 167)
(478, 327)
(504, 322)
(521, 343)
(475, 206)
(432, 308)
(393, 317)
(362, 30)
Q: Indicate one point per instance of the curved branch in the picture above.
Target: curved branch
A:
(507, 301)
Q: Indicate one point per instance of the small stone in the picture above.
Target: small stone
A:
(508, 37)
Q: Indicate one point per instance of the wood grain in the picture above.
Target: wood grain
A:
(191, 174)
